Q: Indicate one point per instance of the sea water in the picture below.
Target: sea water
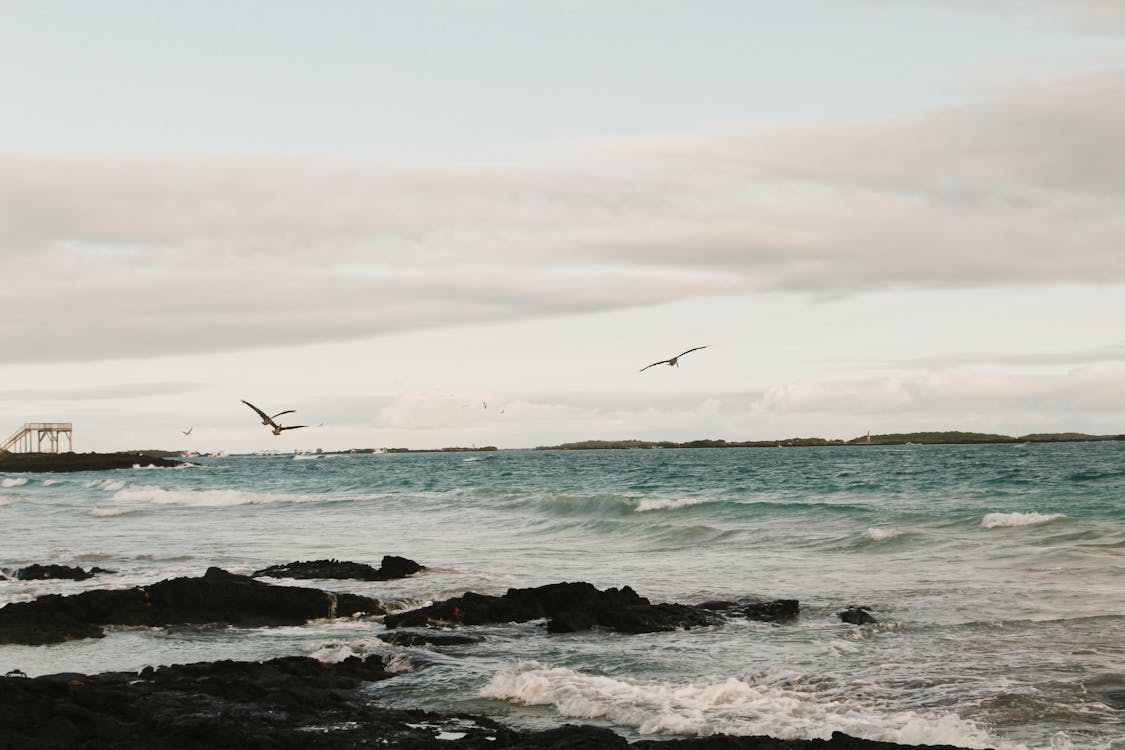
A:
(996, 573)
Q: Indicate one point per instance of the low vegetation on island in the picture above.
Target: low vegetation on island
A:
(906, 438)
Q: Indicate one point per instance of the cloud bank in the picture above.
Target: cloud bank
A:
(109, 258)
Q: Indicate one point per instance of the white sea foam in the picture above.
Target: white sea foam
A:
(49, 482)
(994, 520)
(668, 504)
(111, 512)
(724, 705)
(110, 485)
(876, 534)
(203, 498)
(13, 482)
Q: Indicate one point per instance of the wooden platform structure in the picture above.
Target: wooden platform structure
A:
(30, 437)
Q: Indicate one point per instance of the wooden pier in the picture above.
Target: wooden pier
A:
(30, 437)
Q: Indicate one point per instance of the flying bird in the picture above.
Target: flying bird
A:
(269, 421)
(674, 360)
(188, 430)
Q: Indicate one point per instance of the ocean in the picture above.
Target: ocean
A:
(996, 573)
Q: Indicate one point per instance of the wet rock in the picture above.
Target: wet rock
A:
(838, 741)
(568, 607)
(291, 702)
(857, 616)
(62, 462)
(392, 567)
(216, 597)
(774, 610)
(429, 637)
(37, 572)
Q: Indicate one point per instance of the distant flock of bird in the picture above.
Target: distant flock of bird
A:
(277, 429)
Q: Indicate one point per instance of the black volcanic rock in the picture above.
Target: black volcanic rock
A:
(290, 702)
(772, 610)
(428, 637)
(568, 607)
(392, 567)
(61, 462)
(37, 572)
(857, 616)
(216, 597)
(838, 741)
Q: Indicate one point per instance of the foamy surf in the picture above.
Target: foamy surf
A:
(13, 482)
(877, 534)
(110, 485)
(662, 504)
(995, 520)
(204, 498)
(724, 706)
(97, 512)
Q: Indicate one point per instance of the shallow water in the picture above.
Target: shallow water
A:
(996, 572)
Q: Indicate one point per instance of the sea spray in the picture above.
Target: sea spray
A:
(721, 705)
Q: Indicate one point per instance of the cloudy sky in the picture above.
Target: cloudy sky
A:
(425, 223)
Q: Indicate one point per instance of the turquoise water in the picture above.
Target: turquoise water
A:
(996, 572)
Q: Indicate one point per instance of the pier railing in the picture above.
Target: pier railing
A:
(30, 437)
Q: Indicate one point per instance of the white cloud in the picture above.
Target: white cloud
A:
(146, 257)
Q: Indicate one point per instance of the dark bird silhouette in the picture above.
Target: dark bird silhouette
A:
(266, 418)
(674, 361)
(188, 430)
(268, 421)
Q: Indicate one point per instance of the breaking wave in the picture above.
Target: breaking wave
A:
(204, 498)
(994, 520)
(717, 705)
(13, 482)
(876, 534)
(110, 485)
(111, 512)
(662, 504)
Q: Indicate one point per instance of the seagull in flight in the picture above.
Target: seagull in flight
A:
(188, 430)
(268, 420)
(674, 361)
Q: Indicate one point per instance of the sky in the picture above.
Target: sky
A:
(431, 223)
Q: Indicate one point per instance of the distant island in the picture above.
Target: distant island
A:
(903, 438)
(440, 450)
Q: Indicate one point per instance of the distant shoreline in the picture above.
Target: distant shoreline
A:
(66, 462)
(908, 438)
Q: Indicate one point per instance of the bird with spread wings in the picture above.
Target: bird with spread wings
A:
(673, 361)
(268, 421)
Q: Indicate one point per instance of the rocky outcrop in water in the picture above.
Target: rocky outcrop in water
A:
(290, 702)
(392, 567)
(857, 616)
(216, 597)
(568, 607)
(37, 572)
(43, 462)
(771, 610)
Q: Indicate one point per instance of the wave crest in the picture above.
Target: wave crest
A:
(743, 707)
(877, 534)
(995, 520)
(145, 494)
(667, 504)
(13, 482)
(112, 512)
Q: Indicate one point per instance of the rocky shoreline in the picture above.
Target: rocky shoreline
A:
(290, 702)
(298, 702)
(66, 462)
